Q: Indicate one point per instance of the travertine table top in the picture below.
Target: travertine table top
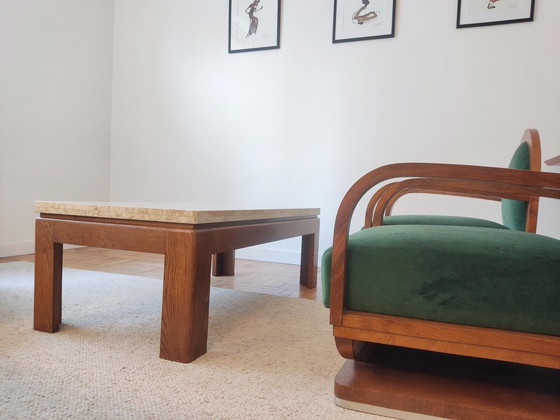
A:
(167, 212)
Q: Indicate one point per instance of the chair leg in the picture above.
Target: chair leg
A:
(360, 351)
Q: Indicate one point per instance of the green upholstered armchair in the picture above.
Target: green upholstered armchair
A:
(516, 214)
(463, 290)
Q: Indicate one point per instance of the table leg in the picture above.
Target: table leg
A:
(223, 264)
(309, 255)
(47, 311)
(186, 296)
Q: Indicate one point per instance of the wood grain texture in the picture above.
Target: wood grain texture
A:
(448, 386)
(532, 138)
(186, 296)
(309, 256)
(47, 311)
(106, 235)
(464, 347)
(462, 188)
(223, 264)
(241, 236)
(354, 349)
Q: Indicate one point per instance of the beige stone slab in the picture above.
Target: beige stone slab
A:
(167, 212)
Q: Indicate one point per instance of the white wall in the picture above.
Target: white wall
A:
(289, 127)
(55, 109)
(297, 126)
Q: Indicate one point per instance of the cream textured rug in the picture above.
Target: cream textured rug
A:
(268, 357)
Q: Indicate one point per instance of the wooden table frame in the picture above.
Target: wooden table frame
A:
(188, 250)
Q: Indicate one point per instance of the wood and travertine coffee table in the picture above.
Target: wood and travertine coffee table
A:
(186, 236)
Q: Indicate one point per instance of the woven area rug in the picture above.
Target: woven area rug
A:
(268, 357)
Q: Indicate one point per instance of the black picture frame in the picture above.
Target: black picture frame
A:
(254, 25)
(471, 13)
(359, 20)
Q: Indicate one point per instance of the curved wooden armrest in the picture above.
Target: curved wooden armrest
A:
(494, 182)
(530, 136)
(472, 189)
(373, 203)
(387, 195)
(416, 190)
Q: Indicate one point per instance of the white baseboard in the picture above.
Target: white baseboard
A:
(17, 248)
(269, 255)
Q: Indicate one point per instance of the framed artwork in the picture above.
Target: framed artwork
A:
(358, 20)
(253, 25)
(493, 12)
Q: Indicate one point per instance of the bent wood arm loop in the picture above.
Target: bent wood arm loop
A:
(391, 202)
(544, 184)
(372, 203)
(420, 186)
(530, 136)
(472, 189)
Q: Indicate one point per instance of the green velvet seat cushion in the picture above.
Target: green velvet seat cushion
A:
(440, 220)
(484, 277)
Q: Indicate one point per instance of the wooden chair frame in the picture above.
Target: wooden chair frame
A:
(382, 202)
(353, 330)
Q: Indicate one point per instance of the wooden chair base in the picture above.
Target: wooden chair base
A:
(413, 384)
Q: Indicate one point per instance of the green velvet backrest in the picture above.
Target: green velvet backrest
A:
(514, 213)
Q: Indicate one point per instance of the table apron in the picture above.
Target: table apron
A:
(103, 235)
(235, 237)
(153, 239)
